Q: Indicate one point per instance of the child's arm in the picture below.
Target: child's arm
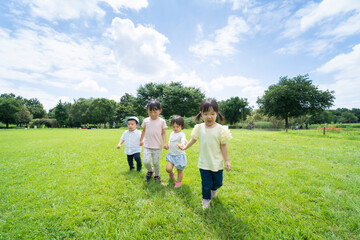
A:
(119, 145)
(142, 137)
(225, 153)
(182, 144)
(163, 133)
(188, 145)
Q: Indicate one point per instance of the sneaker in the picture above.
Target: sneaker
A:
(157, 179)
(177, 184)
(206, 203)
(213, 194)
(171, 176)
(149, 175)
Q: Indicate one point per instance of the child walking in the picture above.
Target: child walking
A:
(131, 137)
(176, 157)
(154, 132)
(213, 149)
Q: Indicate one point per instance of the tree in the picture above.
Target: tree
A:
(235, 109)
(126, 107)
(180, 100)
(61, 114)
(35, 107)
(147, 92)
(80, 111)
(24, 115)
(322, 117)
(102, 110)
(294, 97)
(174, 97)
(356, 111)
(347, 117)
(9, 106)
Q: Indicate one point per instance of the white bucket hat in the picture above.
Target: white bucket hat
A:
(132, 118)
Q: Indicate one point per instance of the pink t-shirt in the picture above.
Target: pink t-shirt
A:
(153, 132)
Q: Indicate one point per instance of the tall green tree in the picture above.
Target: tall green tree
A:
(9, 106)
(102, 110)
(80, 111)
(35, 107)
(147, 92)
(181, 100)
(356, 111)
(24, 115)
(61, 114)
(235, 109)
(348, 117)
(175, 98)
(128, 106)
(294, 97)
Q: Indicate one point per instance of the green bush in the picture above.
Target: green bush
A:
(50, 123)
(262, 124)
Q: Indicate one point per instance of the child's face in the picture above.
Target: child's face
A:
(209, 117)
(154, 114)
(132, 125)
(176, 128)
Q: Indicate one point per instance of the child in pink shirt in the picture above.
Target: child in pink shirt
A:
(154, 132)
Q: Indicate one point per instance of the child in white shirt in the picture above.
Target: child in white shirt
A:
(176, 157)
(131, 137)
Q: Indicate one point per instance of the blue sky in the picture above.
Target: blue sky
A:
(69, 49)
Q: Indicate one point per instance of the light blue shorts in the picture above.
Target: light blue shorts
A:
(179, 161)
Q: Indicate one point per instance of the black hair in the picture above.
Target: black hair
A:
(153, 105)
(206, 105)
(178, 120)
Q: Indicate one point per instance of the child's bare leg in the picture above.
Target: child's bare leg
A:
(180, 175)
(169, 167)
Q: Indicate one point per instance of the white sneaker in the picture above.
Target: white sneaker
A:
(206, 203)
(213, 194)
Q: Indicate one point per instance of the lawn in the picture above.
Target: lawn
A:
(72, 183)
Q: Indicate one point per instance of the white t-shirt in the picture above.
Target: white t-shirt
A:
(132, 141)
(176, 138)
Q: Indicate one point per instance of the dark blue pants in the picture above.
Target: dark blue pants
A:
(137, 159)
(210, 181)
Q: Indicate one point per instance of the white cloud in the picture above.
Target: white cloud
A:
(140, 51)
(224, 87)
(191, 79)
(90, 85)
(349, 27)
(327, 15)
(47, 100)
(239, 4)
(42, 55)
(72, 9)
(347, 77)
(346, 65)
(132, 4)
(325, 10)
(224, 39)
(244, 87)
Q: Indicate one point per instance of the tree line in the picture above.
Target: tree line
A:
(295, 98)
(176, 99)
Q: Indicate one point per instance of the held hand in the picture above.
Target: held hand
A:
(181, 146)
(166, 146)
(141, 143)
(228, 166)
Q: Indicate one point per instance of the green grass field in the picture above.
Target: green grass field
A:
(74, 184)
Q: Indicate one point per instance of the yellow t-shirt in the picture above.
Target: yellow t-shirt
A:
(210, 157)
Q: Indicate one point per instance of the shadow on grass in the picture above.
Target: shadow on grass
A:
(218, 217)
